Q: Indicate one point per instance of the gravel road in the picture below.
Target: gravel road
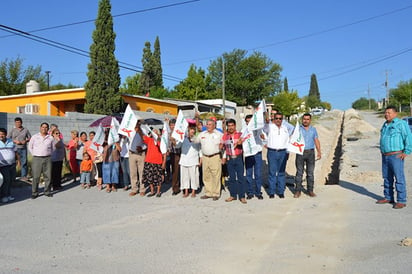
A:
(342, 230)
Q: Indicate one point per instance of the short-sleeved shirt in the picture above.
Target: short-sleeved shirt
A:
(7, 153)
(230, 143)
(309, 135)
(20, 134)
(153, 155)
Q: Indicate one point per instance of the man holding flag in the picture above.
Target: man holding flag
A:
(310, 136)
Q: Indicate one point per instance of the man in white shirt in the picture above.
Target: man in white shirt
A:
(7, 165)
(277, 142)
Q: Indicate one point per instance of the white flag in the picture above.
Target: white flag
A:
(297, 142)
(113, 133)
(146, 130)
(258, 119)
(180, 127)
(128, 122)
(164, 144)
(98, 139)
(249, 143)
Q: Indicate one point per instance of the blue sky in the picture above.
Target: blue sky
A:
(335, 37)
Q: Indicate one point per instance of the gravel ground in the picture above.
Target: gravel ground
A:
(90, 231)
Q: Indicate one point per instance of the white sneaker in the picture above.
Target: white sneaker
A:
(11, 198)
(4, 199)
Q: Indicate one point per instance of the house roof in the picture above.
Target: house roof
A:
(42, 93)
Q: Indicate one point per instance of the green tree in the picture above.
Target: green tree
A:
(287, 102)
(14, 76)
(195, 86)
(285, 84)
(157, 65)
(313, 99)
(247, 78)
(146, 79)
(131, 85)
(402, 93)
(363, 104)
(102, 87)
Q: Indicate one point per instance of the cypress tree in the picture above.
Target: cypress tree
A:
(146, 79)
(285, 84)
(157, 65)
(102, 87)
(314, 89)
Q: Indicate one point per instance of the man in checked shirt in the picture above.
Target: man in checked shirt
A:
(232, 143)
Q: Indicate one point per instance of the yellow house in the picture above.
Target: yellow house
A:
(58, 102)
(53, 103)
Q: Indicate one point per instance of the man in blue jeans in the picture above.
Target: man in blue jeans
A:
(310, 135)
(232, 143)
(395, 145)
(253, 165)
(277, 141)
(20, 136)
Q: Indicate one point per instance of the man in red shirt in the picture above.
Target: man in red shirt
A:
(232, 143)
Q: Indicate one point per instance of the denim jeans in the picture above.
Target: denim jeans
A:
(277, 174)
(85, 177)
(111, 172)
(308, 159)
(22, 152)
(393, 171)
(253, 166)
(236, 182)
(124, 164)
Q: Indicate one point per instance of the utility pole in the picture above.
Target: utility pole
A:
(223, 88)
(48, 79)
(369, 97)
(387, 88)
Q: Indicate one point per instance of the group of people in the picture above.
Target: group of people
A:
(138, 164)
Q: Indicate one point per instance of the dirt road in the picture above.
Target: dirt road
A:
(340, 231)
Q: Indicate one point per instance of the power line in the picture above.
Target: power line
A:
(74, 50)
(305, 35)
(117, 15)
(359, 67)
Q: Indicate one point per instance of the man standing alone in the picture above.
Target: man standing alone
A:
(310, 135)
(395, 145)
(41, 147)
(20, 136)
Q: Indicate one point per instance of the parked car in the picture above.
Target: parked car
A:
(408, 120)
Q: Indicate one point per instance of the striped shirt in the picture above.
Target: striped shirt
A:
(230, 143)
(396, 136)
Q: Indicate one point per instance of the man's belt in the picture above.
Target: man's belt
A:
(211, 155)
(234, 156)
(274, 149)
(393, 153)
(138, 153)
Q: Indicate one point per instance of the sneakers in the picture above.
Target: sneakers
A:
(4, 199)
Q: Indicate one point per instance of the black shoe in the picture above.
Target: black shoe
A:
(158, 195)
(151, 194)
(271, 196)
(260, 197)
(249, 197)
(175, 193)
(49, 195)
(34, 196)
(281, 196)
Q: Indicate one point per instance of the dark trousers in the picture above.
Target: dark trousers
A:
(174, 161)
(9, 175)
(236, 182)
(308, 159)
(56, 174)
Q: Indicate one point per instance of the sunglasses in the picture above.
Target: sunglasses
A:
(277, 118)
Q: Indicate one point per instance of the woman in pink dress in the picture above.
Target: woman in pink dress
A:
(72, 147)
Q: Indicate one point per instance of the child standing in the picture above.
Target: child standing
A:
(85, 170)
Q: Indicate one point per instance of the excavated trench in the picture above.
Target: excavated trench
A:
(333, 176)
